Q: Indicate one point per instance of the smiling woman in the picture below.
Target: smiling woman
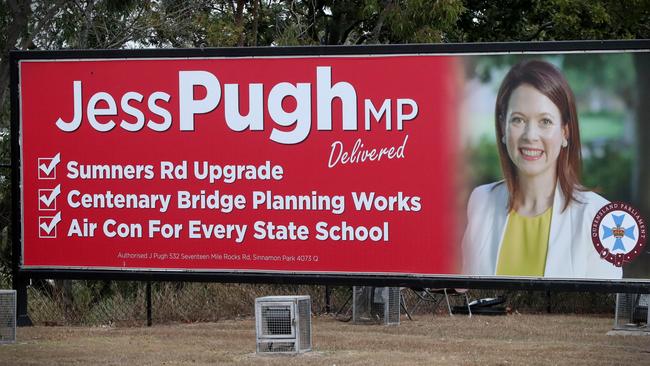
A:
(536, 222)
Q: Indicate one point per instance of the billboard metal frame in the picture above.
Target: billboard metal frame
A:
(22, 276)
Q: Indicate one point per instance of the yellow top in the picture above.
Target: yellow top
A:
(524, 246)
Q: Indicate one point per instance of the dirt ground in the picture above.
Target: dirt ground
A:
(428, 340)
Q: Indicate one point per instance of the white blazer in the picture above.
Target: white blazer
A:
(571, 253)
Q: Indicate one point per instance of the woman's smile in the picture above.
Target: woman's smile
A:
(531, 154)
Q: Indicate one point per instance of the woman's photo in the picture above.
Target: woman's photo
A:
(536, 221)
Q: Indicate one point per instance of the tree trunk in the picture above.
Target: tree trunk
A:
(387, 6)
(88, 23)
(239, 22)
(66, 298)
(640, 267)
(256, 15)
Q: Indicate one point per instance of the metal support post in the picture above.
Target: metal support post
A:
(22, 315)
(148, 295)
(328, 299)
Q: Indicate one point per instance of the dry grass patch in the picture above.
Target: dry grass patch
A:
(439, 340)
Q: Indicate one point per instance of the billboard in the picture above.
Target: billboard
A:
(344, 162)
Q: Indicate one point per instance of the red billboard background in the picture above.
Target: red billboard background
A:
(419, 235)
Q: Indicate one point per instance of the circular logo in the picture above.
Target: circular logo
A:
(618, 233)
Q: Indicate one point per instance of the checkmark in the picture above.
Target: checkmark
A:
(48, 198)
(47, 225)
(47, 167)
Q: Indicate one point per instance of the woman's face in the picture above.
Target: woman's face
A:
(533, 132)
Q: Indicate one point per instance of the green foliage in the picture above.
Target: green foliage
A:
(548, 20)
(5, 198)
(483, 162)
(607, 72)
(499, 21)
(600, 19)
(421, 21)
(607, 170)
(5, 18)
(600, 127)
(88, 24)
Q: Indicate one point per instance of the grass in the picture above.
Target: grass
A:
(600, 126)
(438, 340)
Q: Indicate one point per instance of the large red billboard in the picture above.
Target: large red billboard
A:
(309, 164)
(421, 164)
